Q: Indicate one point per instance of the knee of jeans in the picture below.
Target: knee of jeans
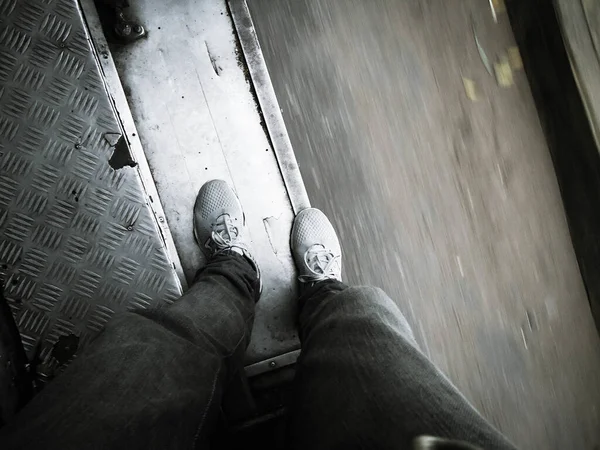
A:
(370, 294)
(381, 302)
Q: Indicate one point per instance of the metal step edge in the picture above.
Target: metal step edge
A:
(268, 104)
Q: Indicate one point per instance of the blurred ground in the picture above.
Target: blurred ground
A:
(450, 205)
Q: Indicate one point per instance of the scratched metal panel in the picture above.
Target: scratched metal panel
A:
(78, 242)
(203, 110)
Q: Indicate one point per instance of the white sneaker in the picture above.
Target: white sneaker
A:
(316, 248)
(219, 222)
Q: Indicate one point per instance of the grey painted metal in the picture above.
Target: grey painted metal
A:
(197, 120)
(268, 103)
(78, 241)
(579, 22)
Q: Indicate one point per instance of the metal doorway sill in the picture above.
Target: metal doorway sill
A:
(191, 115)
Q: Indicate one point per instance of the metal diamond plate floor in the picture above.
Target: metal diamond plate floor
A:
(78, 241)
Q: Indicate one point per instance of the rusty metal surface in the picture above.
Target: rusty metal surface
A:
(78, 242)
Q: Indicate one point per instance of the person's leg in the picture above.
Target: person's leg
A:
(154, 378)
(361, 380)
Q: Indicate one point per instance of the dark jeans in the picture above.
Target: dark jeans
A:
(155, 378)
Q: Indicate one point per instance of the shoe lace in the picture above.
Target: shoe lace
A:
(322, 264)
(224, 235)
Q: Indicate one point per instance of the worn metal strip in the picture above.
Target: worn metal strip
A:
(278, 362)
(268, 104)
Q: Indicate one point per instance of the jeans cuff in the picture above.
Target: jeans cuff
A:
(319, 292)
(237, 269)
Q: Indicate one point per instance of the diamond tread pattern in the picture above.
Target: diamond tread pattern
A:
(78, 242)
